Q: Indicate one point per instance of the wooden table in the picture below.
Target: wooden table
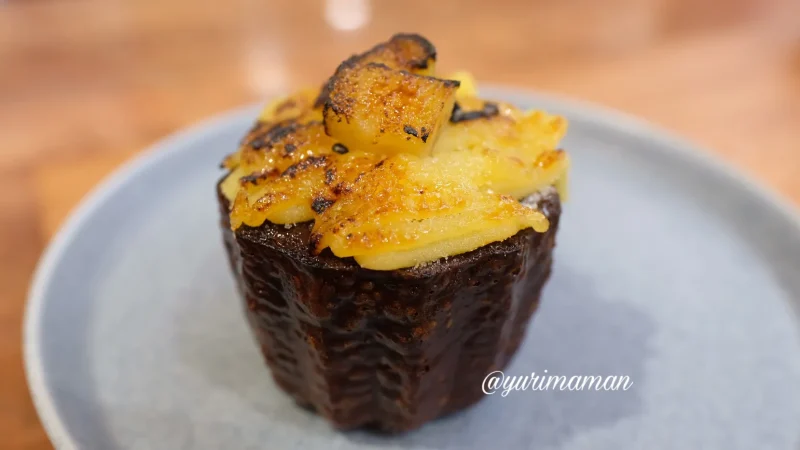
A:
(86, 84)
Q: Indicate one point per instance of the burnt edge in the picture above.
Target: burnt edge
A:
(311, 161)
(489, 110)
(428, 47)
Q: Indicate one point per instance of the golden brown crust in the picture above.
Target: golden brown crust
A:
(388, 169)
(404, 51)
(375, 105)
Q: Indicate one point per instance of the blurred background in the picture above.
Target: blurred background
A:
(86, 84)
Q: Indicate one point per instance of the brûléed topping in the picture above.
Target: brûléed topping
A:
(395, 166)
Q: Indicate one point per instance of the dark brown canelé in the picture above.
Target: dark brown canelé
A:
(387, 349)
(377, 238)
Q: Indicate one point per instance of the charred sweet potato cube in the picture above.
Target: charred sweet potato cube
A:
(374, 108)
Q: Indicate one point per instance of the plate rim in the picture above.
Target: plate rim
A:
(177, 141)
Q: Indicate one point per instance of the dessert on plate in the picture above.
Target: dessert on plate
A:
(390, 234)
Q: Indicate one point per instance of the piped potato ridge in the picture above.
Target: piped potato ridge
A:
(395, 166)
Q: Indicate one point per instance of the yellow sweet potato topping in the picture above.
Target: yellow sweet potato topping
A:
(378, 109)
(410, 210)
(345, 157)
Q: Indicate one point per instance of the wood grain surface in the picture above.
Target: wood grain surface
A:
(86, 84)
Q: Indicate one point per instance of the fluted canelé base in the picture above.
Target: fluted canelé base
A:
(387, 349)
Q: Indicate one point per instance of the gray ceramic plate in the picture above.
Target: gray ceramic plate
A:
(671, 269)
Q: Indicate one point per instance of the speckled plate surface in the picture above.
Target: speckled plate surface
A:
(671, 269)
